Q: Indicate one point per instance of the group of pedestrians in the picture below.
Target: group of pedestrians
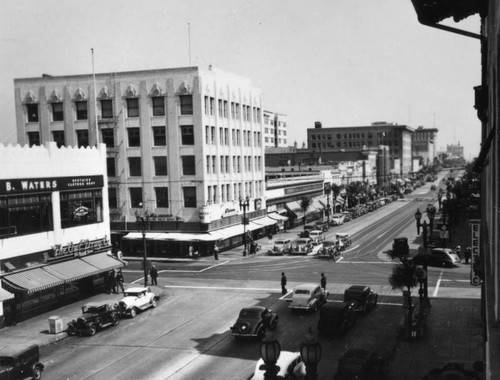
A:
(322, 282)
(116, 282)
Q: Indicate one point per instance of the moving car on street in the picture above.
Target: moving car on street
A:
(317, 236)
(290, 366)
(95, 316)
(344, 240)
(307, 297)
(337, 219)
(138, 298)
(335, 318)
(20, 362)
(330, 249)
(362, 296)
(280, 247)
(321, 225)
(439, 257)
(361, 364)
(254, 322)
(302, 246)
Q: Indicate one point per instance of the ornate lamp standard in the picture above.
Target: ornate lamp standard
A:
(418, 216)
(143, 220)
(310, 351)
(244, 204)
(431, 213)
(328, 191)
(270, 350)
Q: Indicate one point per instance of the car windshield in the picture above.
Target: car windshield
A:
(250, 313)
(302, 291)
(6, 361)
(328, 244)
(132, 294)
(301, 242)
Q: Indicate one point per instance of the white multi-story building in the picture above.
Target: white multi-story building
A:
(178, 140)
(275, 130)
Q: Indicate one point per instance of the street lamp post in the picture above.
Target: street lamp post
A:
(418, 216)
(431, 213)
(144, 222)
(244, 204)
(310, 351)
(426, 257)
(270, 350)
(328, 191)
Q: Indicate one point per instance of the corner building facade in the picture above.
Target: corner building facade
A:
(177, 140)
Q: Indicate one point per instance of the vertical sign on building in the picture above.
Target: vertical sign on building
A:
(475, 235)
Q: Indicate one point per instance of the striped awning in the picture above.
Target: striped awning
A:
(72, 270)
(5, 295)
(266, 221)
(103, 261)
(31, 280)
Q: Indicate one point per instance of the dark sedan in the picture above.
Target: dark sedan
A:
(360, 364)
(254, 322)
(335, 318)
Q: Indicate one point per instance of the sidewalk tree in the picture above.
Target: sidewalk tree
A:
(304, 204)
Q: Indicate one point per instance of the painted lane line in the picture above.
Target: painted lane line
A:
(352, 248)
(214, 266)
(219, 288)
(438, 283)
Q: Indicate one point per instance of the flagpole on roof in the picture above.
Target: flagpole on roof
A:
(95, 101)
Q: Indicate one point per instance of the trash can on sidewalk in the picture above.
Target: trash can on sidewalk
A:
(55, 324)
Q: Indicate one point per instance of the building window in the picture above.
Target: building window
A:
(189, 196)
(135, 197)
(161, 196)
(110, 166)
(188, 165)
(82, 136)
(34, 138)
(206, 105)
(134, 165)
(32, 110)
(219, 108)
(207, 134)
(57, 112)
(226, 136)
(25, 214)
(208, 165)
(108, 137)
(212, 101)
(81, 110)
(58, 137)
(107, 109)
(80, 207)
(187, 135)
(134, 137)
(159, 136)
(186, 104)
(112, 197)
(212, 136)
(133, 107)
(221, 136)
(158, 105)
(160, 165)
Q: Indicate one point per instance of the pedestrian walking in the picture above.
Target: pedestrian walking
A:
(458, 251)
(216, 252)
(468, 254)
(253, 248)
(112, 282)
(119, 281)
(153, 272)
(323, 281)
(283, 284)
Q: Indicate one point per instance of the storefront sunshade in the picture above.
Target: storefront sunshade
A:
(177, 236)
(265, 221)
(72, 270)
(138, 235)
(103, 261)
(294, 207)
(276, 216)
(31, 280)
(5, 295)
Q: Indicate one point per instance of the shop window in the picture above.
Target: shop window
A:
(135, 197)
(58, 137)
(82, 137)
(107, 109)
(161, 196)
(81, 110)
(158, 106)
(80, 207)
(134, 164)
(57, 112)
(186, 104)
(133, 107)
(160, 165)
(159, 136)
(188, 165)
(134, 137)
(24, 215)
(189, 196)
(32, 110)
(108, 137)
(34, 138)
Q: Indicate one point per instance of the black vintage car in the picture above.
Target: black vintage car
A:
(20, 362)
(363, 297)
(335, 318)
(360, 364)
(254, 322)
(95, 316)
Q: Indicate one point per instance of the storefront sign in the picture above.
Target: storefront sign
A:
(83, 248)
(257, 204)
(475, 235)
(37, 185)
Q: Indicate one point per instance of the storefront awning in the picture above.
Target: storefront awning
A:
(31, 280)
(72, 270)
(187, 237)
(294, 208)
(5, 295)
(103, 261)
(276, 216)
(138, 235)
(265, 222)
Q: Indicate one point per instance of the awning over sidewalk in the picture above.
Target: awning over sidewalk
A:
(138, 235)
(5, 295)
(178, 236)
(31, 280)
(294, 208)
(72, 270)
(276, 216)
(103, 262)
(265, 222)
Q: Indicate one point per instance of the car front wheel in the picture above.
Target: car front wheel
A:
(133, 313)
(37, 373)
(115, 320)
(92, 330)
(153, 303)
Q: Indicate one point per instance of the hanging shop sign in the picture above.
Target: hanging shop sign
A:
(37, 185)
(83, 248)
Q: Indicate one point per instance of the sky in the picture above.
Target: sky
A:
(341, 62)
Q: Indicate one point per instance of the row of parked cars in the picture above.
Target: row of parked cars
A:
(328, 248)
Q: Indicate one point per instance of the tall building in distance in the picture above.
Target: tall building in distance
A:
(455, 150)
(424, 144)
(395, 136)
(177, 139)
(275, 130)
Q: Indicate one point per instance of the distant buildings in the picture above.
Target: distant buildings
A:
(455, 150)
(275, 130)
(424, 145)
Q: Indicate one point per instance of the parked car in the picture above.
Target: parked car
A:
(347, 216)
(20, 362)
(280, 247)
(254, 321)
(135, 299)
(337, 219)
(321, 225)
(308, 297)
(95, 316)
(290, 366)
(343, 239)
(317, 236)
(330, 249)
(360, 364)
(336, 318)
(362, 296)
(302, 246)
(439, 257)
